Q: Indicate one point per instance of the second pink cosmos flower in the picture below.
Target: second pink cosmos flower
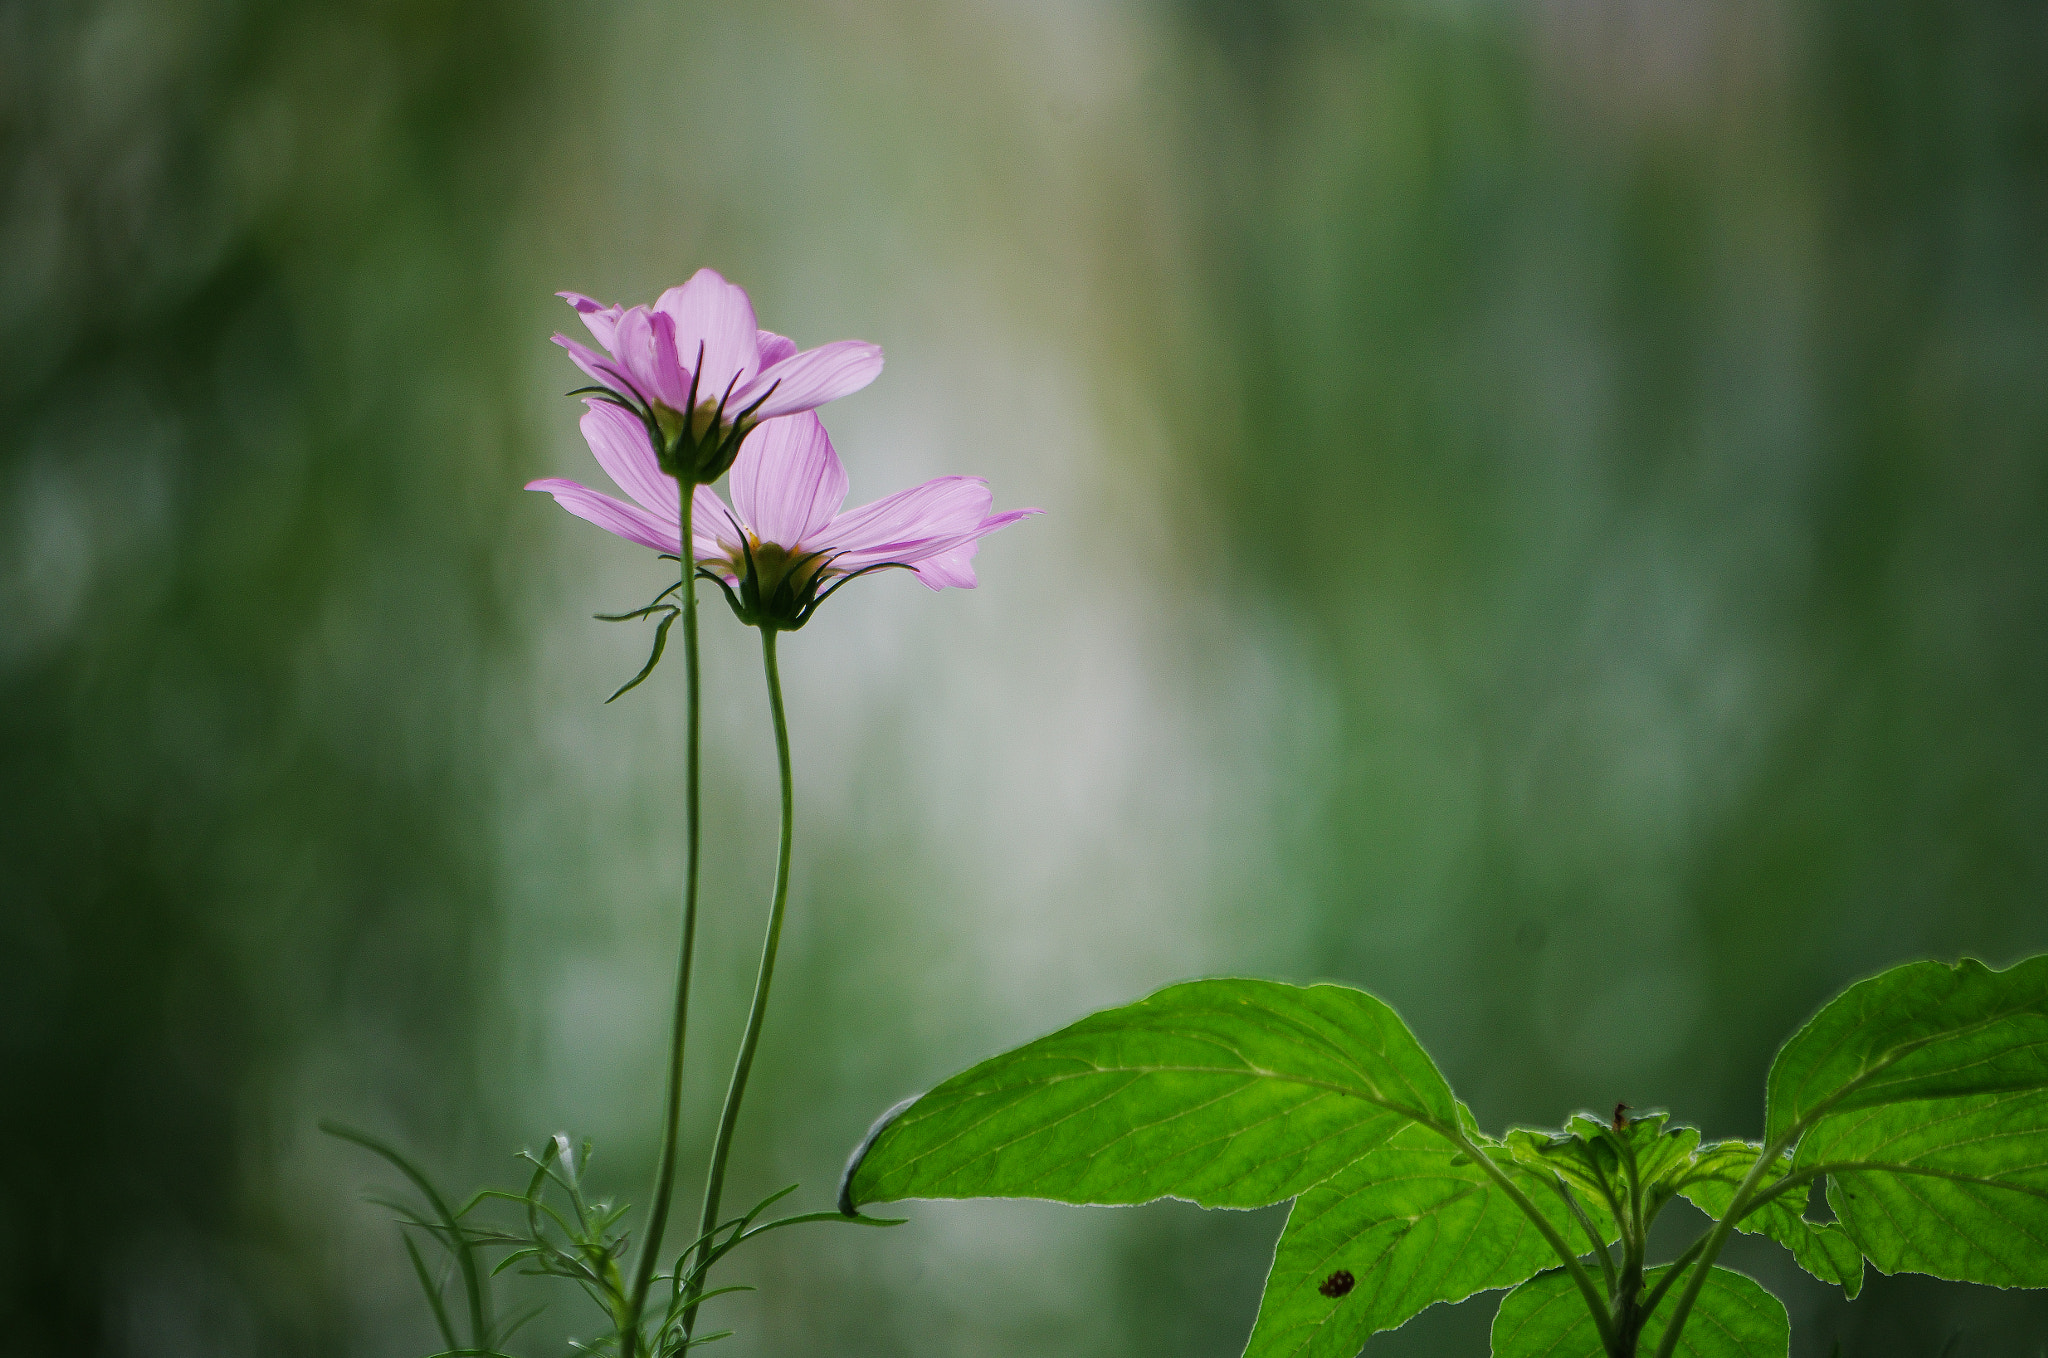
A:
(783, 545)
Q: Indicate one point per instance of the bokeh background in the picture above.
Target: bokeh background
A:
(1547, 519)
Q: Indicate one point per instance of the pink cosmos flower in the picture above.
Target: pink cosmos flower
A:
(783, 546)
(697, 374)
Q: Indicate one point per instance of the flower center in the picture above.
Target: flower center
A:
(775, 565)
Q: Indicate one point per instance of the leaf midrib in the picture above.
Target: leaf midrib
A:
(1892, 1057)
(1249, 1074)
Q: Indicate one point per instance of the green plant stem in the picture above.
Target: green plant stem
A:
(714, 1183)
(1628, 1317)
(1672, 1274)
(1588, 1291)
(1738, 1207)
(1600, 1249)
(672, 1109)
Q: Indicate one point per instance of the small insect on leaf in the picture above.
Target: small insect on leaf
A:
(1338, 1283)
(1621, 1117)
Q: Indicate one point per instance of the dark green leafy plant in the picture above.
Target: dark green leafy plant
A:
(1918, 1097)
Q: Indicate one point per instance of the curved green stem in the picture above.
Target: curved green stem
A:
(1710, 1248)
(1672, 1274)
(1588, 1290)
(714, 1184)
(1600, 1250)
(672, 1108)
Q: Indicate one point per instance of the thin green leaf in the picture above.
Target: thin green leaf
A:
(432, 1289)
(465, 1253)
(703, 1297)
(518, 1322)
(408, 1216)
(800, 1220)
(515, 1257)
(1733, 1318)
(653, 659)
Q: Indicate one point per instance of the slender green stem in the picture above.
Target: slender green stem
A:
(714, 1184)
(1588, 1290)
(1635, 1198)
(1628, 1316)
(1600, 1250)
(1672, 1274)
(1710, 1250)
(672, 1109)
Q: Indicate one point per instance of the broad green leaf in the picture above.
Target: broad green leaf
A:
(1923, 1031)
(1413, 1223)
(1732, 1317)
(1242, 1093)
(1957, 1187)
(1822, 1249)
(1923, 1094)
(1229, 1093)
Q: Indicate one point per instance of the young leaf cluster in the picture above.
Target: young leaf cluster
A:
(1918, 1097)
(555, 1229)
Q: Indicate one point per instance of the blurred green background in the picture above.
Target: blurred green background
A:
(1547, 520)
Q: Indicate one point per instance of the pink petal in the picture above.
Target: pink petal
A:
(708, 310)
(614, 516)
(787, 482)
(940, 559)
(775, 348)
(602, 321)
(599, 368)
(953, 567)
(718, 534)
(808, 380)
(1004, 520)
(647, 346)
(619, 442)
(940, 512)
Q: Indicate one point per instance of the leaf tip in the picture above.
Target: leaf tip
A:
(847, 1205)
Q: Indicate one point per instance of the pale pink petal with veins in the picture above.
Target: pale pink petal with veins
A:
(709, 312)
(619, 442)
(787, 482)
(630, 522)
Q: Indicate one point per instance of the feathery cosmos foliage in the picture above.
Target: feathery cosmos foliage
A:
(1919, 1097)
